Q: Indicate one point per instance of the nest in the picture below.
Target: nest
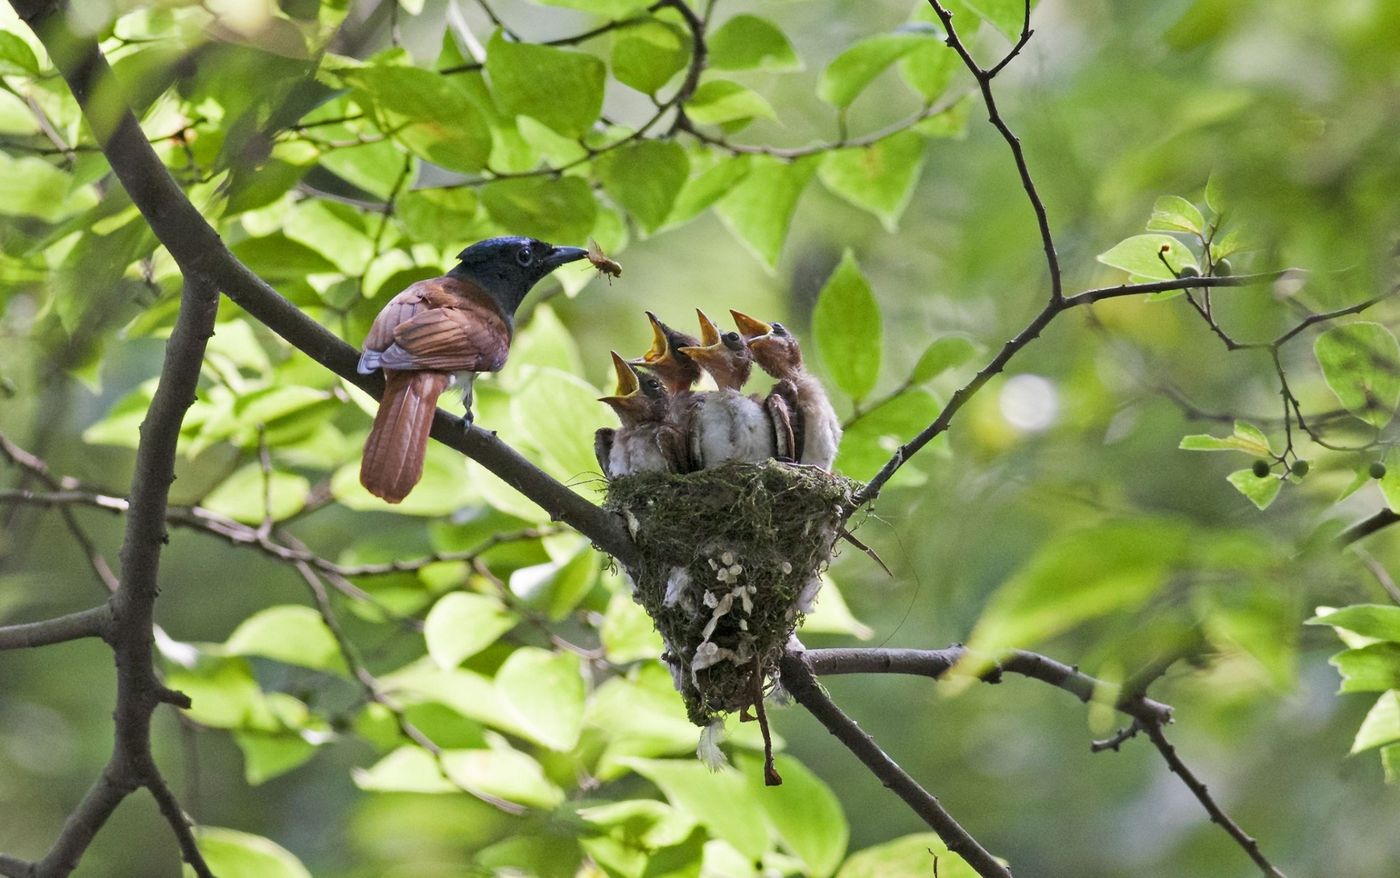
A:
(730, 559)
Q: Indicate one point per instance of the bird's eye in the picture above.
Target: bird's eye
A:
(779, 329)
(732, 341)
(525, 256)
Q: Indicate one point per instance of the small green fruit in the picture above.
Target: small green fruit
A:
(1261, 468)
(1301, 467)
(1189, 271)
(1377, 470)
(1223, 268)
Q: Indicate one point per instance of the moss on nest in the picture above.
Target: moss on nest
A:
(729, 562)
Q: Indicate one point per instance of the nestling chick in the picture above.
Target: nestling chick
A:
(648, 440)
(725, 424)
(816, 428)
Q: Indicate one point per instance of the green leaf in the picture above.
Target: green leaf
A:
(461, 624)
(930, 68)
(557, 588)
(269, 754)
(291, 634)
(498, 771)
(277, 257)
(233, 854)
(335, 231)
(804, 812)
(717, 101)
(551, 209)
(647, 823)
(1172, 213)
(720, 800)
(561, 88)
(1390, 482)
(122, 425)
(831, 615)
(942, 354)
(223, 693)
(879, 178)
(615, 9)
(1261, 492)
(950, 123)
(747, 42)
(708, 186)
(627, 632)
(1381, 725)
(912, 856)
(1215, 195)
(251, 497)
(644, 178)
(846, 326)
(1081, 575)
(374, 167)
(444, 488)
(445, 218)
(648, 55)
(32, 187)
(1259, 622)
(1390, 762)
(439, 123)
(759, 209)
(848, 75)
(1373, 668)
(557, 413)
(1007, 16)
(1361, 363)
(545, 342)
(16, 58)
(1369, 620)
(544, 692)
(1142, 255)
(1247, 438)
(872, 438)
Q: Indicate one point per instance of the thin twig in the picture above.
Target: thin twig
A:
(94, 622)
(984, 79)
(937, 663)
(370, 686)
(1364, 528)
(797, 679)
(1198, 789)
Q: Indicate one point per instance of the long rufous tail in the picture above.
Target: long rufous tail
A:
(393, 460)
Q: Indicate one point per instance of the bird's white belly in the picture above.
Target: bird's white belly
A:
(634, 452)
(730, 426)
(821, 426)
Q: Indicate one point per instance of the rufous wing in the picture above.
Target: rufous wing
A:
(470, 339)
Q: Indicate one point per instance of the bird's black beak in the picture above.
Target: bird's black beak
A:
(560, 255)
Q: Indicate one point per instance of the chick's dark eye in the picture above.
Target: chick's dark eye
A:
(779, 329)
(731, 340)
(524, 256)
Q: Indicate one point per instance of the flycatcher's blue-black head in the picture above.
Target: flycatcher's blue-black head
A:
(508, 267)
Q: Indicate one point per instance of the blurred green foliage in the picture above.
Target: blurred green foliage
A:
(345, 150)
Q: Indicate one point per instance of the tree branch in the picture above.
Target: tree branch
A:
(1364, 528)
(937, 663)
(1243, 839)
(94, 622)
(199, 251)
(139, 692)
(984, 82)
(798, 680)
